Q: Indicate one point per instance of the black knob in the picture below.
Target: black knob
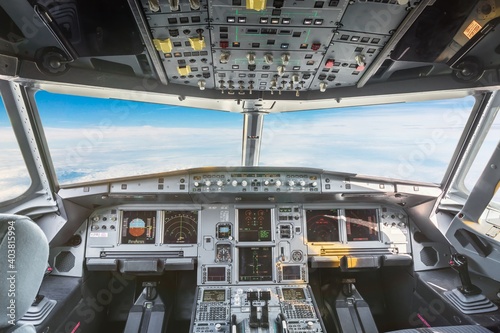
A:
(459, 263)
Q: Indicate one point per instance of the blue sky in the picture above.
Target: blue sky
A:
(92, 139)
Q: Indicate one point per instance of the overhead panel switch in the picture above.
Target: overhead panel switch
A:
(257, 5)
(184, 70)
(197, 43)
(163, 45)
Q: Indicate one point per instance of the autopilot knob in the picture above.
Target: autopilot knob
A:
(278, 183)
(302, 183)
(244, 183)
(220, 183)
(234, 183)
(196, 184)
(459, 263)
(208, 183)
(291, 183)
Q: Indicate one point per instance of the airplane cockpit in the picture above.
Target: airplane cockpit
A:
(249, 166)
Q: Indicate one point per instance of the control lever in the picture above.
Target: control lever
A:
(282, 323)
(459, 263)
(254, 321)
(234, 327)
(264, 320)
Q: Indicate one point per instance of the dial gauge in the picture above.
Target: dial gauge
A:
(223, 253)
(180, 227)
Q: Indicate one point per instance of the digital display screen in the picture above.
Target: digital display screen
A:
(291, 272)
(180, 227)
(323, 225)
(254, 225)
(224, 230)
(293, 294)
(138, 227)
(361, 224)
(216, 274)
(214, 295)
(255, 264)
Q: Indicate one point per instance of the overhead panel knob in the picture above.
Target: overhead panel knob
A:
(251, 58)
(285, 58)
(322, 86)
(302, 183)
(278, 183)
(220, 183)
(291, 183)
(268, 58)
(244, 183)
(208, 183)
(234, 183)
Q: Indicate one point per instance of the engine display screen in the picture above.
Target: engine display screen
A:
(216, 274)
(361, 224)
(255, 264)
(291, 272)
(254, 225)
(293, 294)
(214, 295)
(138, 227)
(322, 225)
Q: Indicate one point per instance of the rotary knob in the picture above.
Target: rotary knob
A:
(220, 183)
(266, 182)
(244, 183)
(218, 327)
(291, 183)
(314, 184)
(302, 183)
(196, 184)
(208, 183)
(278, 183)
(234, 183)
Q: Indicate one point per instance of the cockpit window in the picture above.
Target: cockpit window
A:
(410, 141)
(96, 139)
(488, 145)
(14, 176)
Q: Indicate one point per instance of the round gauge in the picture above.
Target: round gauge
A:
(297, 255)
(180, 227)
(322, 226)
(137, 227)
(223, 253)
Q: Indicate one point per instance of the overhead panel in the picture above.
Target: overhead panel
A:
(242, 46)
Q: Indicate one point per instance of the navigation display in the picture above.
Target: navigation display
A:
(361, 224)
(254, 225)
(293, 294)
(322, 225)
(138, 227)
(214, 295)
(180, 227)
(255, 264)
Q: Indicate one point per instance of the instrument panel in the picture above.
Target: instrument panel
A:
(247, 243)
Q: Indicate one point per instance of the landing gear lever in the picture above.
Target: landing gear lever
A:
(459, 263)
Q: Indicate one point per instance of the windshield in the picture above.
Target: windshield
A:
(14, 177)
(96, 139)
